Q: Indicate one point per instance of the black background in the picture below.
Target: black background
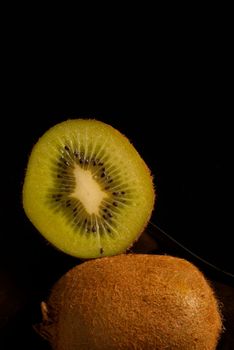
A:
(175, 107)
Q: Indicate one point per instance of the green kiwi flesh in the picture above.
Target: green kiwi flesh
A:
(87, 190)
(133, 302)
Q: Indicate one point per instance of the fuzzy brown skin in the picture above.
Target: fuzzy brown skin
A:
(132, 302)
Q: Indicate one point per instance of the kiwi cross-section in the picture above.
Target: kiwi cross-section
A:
(87, 190)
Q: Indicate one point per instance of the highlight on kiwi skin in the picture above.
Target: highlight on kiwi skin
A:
(132, 301)
(87, 190)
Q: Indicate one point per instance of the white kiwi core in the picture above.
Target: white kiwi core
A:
(87, 190)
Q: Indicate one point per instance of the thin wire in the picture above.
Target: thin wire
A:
(176, 243)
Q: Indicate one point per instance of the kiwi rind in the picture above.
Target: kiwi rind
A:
(49, 182)
(133, 301)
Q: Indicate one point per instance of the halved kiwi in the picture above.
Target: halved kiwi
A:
(87, 190)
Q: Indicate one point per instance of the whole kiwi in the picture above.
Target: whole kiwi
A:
(132, 301)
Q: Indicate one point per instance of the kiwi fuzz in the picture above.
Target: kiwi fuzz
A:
(132, 301)
(87, 190)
